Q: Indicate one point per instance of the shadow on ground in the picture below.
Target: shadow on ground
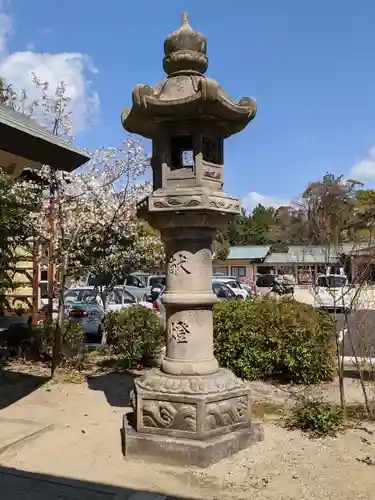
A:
(21, 485)
(116, 387)
(16, 385)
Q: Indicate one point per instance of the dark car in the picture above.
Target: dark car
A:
(223, 292)
(266, 280)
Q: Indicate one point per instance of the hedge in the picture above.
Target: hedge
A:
(265, 337)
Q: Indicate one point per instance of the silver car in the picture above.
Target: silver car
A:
(141, 287)
(85, 307)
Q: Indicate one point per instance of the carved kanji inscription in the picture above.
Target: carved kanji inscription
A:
(177, 264)
(179, 331)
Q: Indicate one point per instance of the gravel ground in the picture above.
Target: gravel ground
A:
(285, 395)
(85, 444)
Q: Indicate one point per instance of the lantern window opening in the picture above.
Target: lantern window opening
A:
(182, 152)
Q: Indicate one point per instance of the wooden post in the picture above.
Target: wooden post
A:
(35, 308)
(51, 250)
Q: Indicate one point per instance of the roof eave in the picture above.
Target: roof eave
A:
(26, 139)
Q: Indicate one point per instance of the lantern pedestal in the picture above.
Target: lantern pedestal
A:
(189, 420)
(189, 411)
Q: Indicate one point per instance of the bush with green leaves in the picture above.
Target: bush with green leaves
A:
(72, 348)
(315, 417)
(36, 343)
(265, 337)
(135, 333)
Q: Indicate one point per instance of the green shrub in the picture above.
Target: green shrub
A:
(135, 333)
(72, 348)
(315, 417)
(266, 337)
(27, 342)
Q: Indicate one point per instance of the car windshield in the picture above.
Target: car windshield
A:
(82, 296)
(132, 280)
(233, 284)
(218, 287)
(157, 280)
(142, 279)
(71, 296)
(332, 281)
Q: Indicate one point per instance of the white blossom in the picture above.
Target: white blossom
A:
(95, 209)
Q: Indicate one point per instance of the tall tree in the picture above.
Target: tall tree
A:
(326, 210)
(254, 229)
(364, 222)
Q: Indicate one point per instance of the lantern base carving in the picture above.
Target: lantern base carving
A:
(197, 420)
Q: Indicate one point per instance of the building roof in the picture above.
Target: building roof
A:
(297, 254)
(23, 137)
(248, 252)
(303, 255)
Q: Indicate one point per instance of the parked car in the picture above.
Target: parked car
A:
(150, 280)
(85, 307)
(223, 291)
(235, 285)
(141, 287)
(266, 281)
(332, 292)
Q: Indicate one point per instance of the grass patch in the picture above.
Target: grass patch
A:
(315, 417)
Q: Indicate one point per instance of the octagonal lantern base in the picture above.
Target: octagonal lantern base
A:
(196, 420)
(194, 452)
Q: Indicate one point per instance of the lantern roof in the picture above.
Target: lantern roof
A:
(186, 94)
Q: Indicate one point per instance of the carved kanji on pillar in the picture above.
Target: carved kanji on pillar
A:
(180, 331)
(177, 263)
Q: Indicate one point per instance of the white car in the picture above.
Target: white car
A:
(84, 306)
(236, 287)
(332, 292)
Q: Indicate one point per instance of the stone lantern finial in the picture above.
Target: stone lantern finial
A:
(185, 50)
(185, 20)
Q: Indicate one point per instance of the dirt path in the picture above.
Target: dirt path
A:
(85, 444)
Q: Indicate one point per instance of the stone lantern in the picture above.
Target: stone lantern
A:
(190, 411)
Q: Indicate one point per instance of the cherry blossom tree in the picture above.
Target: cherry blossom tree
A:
(96, 218)
(95, 207)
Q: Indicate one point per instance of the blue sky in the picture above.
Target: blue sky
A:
(309, 65)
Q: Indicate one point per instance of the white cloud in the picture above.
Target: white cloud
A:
(365, 169)
(251, 200)
(70, 67)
